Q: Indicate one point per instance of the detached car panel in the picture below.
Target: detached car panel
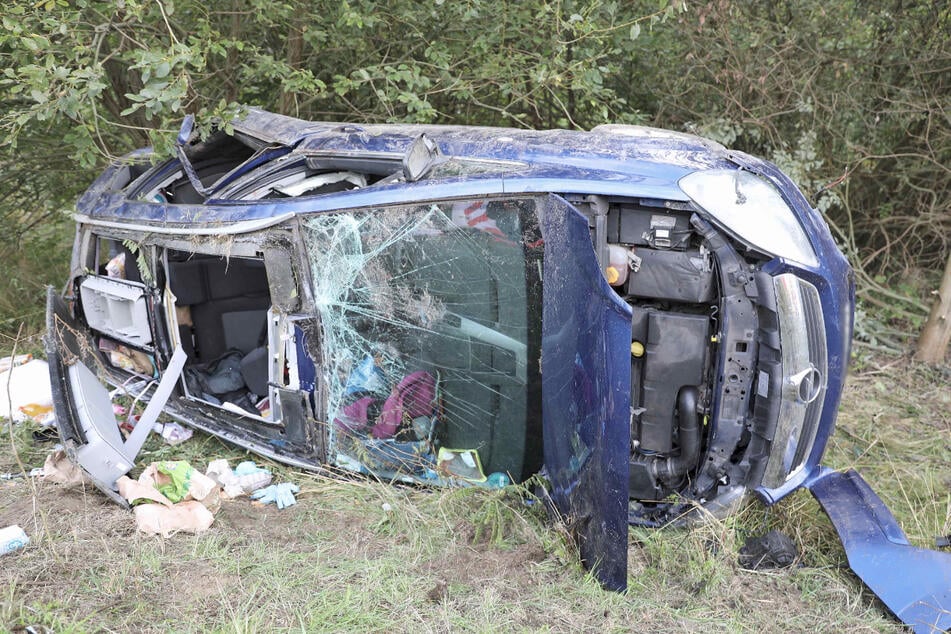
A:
(879, 553)
(653, 323)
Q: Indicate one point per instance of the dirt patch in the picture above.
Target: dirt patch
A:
(471, 566)
(54, 509)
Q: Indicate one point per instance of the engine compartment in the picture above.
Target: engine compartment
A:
(692, 296)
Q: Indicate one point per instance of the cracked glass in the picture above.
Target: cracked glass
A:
(430, 336)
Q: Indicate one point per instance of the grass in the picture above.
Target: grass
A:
(359, 555)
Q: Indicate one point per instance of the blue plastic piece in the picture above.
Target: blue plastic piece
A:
(248, 467)
(914, 583)
(366, 377)
(586, 395)
(497, 480)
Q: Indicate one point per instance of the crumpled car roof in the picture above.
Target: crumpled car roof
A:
(608, 160)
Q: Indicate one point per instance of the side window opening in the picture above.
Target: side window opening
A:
(114, 301)
(219, 309)
(115, 259)
(223, 320)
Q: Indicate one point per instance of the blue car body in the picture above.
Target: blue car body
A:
(655, 323)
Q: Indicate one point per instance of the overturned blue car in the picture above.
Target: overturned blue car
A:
(654, 324)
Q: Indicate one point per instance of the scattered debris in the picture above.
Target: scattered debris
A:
(25, 392)
(12, 538)
(172, 433)
(772, 550)
(171, 496)
(59, 469)
(281, 494)
(188, 517)
(32, 473)
(244, 479)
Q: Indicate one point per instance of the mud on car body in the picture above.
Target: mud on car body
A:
(656, 324)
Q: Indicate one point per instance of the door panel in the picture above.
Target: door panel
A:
(586, 378)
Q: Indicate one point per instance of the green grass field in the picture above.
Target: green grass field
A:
(358, 555)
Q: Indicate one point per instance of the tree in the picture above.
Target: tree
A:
(933, 343)
(851, 98)
(86, 81)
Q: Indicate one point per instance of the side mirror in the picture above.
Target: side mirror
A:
(185, 132)
(422, 155)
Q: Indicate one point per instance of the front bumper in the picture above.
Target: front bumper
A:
(913, 582)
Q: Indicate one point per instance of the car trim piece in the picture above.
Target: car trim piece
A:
(243, 226)
(880, 554)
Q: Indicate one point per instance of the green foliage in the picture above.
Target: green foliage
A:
(850, 98)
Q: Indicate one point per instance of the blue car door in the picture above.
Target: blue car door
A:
(586, 398)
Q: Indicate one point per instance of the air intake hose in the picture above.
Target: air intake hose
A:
(689, 436)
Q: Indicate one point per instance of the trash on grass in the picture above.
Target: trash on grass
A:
(281, 494)
(58, 469)
(32, 473)
(138, 492)
(244, 479)
(12, 538)
(172, 433)
(196, 498)
(29, 393)
(177, 480)
(157, 519)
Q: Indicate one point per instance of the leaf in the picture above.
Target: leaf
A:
(635, 30)
(162, 70)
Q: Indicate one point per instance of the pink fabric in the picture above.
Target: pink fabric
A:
(354, 416)
(413, 397)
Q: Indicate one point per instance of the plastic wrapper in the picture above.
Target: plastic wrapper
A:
(29, 389)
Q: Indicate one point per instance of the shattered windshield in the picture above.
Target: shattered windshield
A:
(431, 320)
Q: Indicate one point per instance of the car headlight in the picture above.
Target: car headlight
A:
(752, 209)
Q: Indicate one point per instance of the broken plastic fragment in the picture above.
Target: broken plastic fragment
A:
(772, 550)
